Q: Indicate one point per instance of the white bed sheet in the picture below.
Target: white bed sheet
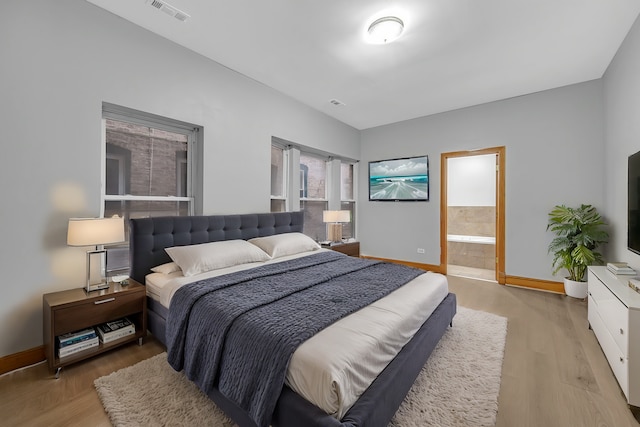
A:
(334, 367)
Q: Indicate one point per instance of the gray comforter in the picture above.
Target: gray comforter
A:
(237, 332)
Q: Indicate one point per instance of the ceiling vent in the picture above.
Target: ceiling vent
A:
(169, 10)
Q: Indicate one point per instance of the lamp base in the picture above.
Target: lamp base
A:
(334, 232)
(96, 287)
(96, 283)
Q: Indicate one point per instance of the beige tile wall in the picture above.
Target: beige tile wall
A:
(471, 221)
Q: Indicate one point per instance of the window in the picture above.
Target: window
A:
(182, 174)
(278, 179)
(313, 181)
(347, 200)
(313, 194)
(148, 169)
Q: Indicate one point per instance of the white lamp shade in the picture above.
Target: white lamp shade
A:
(336, 216)
(95, 231)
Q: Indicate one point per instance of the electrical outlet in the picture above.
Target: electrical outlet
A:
(420, 250)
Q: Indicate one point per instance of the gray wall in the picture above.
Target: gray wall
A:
(60, 61)
(553, 140)
(622, 124)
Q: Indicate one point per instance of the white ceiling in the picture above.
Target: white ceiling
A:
(453, 54)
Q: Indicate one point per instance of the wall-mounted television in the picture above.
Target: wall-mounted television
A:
(399, 180)
(633, 203)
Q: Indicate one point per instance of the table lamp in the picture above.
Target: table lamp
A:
(95, 232)
(334, 220)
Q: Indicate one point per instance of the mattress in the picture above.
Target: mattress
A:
(333, 368)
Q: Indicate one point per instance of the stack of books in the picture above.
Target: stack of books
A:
(73, 342)
(329, 243)
(116, 329)
(620, 268)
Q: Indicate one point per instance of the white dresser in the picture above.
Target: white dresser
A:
(614, 316)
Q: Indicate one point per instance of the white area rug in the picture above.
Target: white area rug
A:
(458, 386)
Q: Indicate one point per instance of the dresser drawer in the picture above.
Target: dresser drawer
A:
(617, 360)
(97, 310)
(613, 313)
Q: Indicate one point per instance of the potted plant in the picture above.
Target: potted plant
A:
(578, 234)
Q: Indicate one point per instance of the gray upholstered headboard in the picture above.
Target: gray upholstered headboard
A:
(149, 236)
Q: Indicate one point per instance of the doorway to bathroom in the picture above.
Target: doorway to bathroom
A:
(472, 214)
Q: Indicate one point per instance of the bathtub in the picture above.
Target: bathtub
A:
(471, 239)
(471, 251)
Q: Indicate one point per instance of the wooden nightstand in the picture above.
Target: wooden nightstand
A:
(74, 309)
(351, 248)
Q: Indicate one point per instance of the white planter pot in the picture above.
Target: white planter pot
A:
(575, 289)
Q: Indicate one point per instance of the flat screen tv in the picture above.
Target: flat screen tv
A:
(633, 203)
(399, 180)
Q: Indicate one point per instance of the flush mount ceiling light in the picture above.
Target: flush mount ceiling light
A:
(385, 29)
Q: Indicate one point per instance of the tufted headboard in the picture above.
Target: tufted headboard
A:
(149, 236)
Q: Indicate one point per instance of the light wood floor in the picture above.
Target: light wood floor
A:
(554, 372)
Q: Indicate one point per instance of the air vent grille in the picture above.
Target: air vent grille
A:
(169, 10)
(181, 16)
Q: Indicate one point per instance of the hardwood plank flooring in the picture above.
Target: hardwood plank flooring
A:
(33, 397)
(554, 372)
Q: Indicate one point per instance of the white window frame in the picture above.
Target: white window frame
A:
(326, 161)
(291, 186)
(285, 175)
(354, 191)
(123, 114)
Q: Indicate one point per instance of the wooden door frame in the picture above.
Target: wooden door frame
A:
(500, 153)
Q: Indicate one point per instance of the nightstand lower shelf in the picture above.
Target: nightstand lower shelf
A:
(101, 348)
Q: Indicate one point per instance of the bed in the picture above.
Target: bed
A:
(374, 407)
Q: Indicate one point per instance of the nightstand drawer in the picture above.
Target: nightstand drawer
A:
(351, 248)
(96, 311)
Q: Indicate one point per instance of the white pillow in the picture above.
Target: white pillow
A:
(280, 245)
(167, 268)
(195, 259)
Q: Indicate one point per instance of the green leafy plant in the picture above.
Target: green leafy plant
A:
(579, 233)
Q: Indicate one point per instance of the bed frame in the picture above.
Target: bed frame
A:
(376, 406)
